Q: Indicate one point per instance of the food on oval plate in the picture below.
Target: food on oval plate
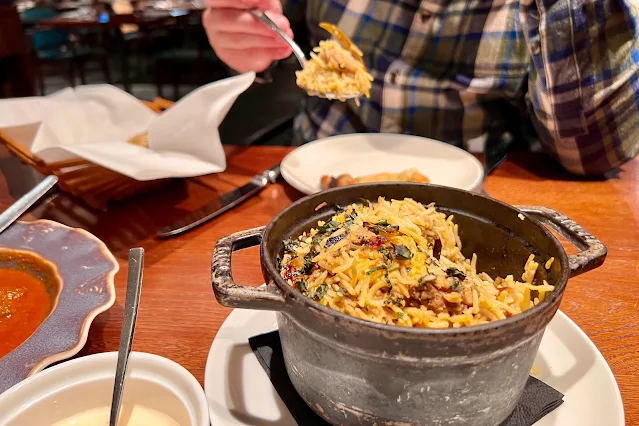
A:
(410, 175)
(400, 262)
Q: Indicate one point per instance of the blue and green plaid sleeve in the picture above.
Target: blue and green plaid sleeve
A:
(446, 69)
(584, 80)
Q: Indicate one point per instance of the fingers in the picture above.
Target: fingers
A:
(238, 41)
(266, 5)
(240, 21)
(254, 59)
(242, 41)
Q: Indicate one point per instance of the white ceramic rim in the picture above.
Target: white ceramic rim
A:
(197, 408)
(303, 188)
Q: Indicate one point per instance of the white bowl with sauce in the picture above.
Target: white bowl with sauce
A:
(158, 392)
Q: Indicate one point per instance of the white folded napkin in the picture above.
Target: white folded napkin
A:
(94, 122)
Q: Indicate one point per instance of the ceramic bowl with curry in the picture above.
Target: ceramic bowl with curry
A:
(54, 280)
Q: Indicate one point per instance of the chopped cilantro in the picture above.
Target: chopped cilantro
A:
(324, 230)
(454, 272)
(378, 268)
(302, 285)
(350, 219)
(402, 252)
(427, 278)
(387, 253)
(381, 226)
(290, 245)
(331, 226)
(457, 286)
(320, 292)
(390, 286)
(308, 262)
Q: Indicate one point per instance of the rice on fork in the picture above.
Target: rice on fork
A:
(333, 69)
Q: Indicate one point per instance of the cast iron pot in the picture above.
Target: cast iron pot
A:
(356, 372)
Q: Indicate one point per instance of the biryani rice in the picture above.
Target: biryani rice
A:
(400, 262)
(333, 69)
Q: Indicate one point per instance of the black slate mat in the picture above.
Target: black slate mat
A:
(538, 399)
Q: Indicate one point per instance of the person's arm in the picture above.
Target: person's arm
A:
(584, 80)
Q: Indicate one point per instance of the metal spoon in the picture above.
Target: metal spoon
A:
(133, 287)
(299, 54)
(14, 211)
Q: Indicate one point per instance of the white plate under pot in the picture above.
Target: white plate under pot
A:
(240, 393)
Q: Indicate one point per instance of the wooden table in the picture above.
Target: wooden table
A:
(179, 315)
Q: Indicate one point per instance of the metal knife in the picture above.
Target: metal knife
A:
(223, 204)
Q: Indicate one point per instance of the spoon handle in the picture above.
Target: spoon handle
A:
(297, 50)
(14, 211)
(133, 287)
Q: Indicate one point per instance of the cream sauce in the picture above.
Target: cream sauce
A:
(137, 415)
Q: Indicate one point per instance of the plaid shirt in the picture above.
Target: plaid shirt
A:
(445, 69)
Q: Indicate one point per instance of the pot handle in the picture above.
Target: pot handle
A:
(592, 251)
(230, 294)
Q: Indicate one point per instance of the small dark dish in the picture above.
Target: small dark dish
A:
(78, 271)
(357, 372)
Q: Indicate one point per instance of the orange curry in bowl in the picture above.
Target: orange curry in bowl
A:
(29, 287)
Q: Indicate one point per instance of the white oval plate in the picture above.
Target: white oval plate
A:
(367, 153)
(240, 393)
